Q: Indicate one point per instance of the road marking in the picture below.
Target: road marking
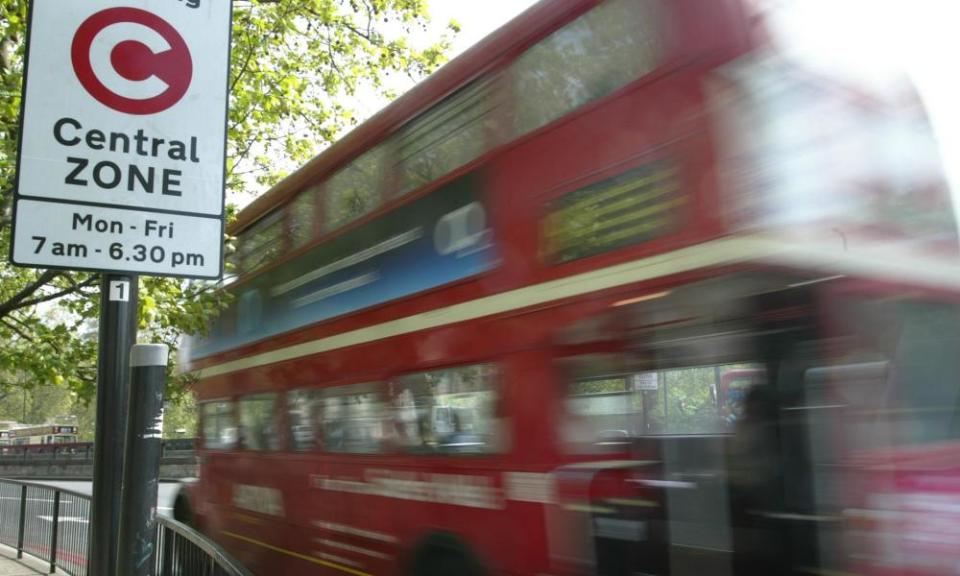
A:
(318, 561)
(78, 519)
(44, 500)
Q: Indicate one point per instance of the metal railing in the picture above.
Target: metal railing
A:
(182, 551)
(52, 524)
(81, 451)
(28, 453)
(45, 522)
(178, 459)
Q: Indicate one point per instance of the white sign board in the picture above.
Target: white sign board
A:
(123, 133)
(645, 381)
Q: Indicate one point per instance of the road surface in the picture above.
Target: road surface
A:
(165, 496)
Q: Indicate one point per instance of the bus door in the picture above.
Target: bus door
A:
(255, 505)
(868, 424)
(218, 429)
(706, 462)
(893, 376)
(354, 519)
(445, 424)
(314, 508)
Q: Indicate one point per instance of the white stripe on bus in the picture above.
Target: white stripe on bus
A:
(342, 528)
(339, 288)
(881, 262)
(352, 260)
(352, 548)
(536, 487)
(335, 558)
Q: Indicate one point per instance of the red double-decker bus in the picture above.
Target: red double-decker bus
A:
(626, 288)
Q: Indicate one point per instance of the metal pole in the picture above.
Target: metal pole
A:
(717, 401)
(118, 332)
(55, 527)
(141, 470)
(23, 520)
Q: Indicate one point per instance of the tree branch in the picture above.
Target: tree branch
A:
(75, 288)
(15, 328)
(16, 301)
(246, 62)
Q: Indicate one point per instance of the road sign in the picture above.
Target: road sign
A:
(123, 133)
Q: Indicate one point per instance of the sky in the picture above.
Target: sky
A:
(931, 48)
(477, 19)
(871, 39)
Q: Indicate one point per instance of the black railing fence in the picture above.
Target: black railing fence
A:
(52, 524)
(45, 522)
(182, 551)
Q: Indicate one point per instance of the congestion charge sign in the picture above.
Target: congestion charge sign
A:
(121, 164)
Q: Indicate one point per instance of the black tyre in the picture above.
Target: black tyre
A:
(444, 554)
(447, 564)
(182, 512)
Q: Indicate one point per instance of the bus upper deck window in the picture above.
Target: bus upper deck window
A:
(302, 215)
(355, 190)
(599, 52)
(448, 136)
(261, 244)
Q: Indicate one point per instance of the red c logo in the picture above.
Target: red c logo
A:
(131, 60)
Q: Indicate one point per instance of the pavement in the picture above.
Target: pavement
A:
(10, 566)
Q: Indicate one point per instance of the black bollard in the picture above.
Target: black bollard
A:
(141, 462)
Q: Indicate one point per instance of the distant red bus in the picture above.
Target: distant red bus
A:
(591, 299)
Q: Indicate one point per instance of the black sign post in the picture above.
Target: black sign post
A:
(118, 333)
(141, 469)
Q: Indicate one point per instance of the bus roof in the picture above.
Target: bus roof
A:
(509, 39)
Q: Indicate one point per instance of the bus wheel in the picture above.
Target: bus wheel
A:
(182, 511)
(445, 555)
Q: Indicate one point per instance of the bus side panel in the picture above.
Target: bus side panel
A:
(654, 127)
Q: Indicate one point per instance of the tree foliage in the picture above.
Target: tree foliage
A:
(297, 66)
(37, 405)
